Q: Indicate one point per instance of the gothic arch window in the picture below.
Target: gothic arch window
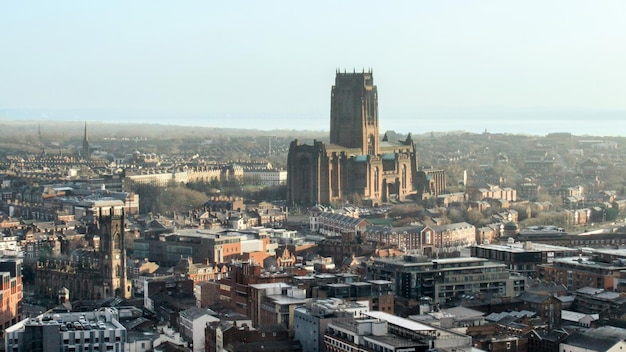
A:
(371, 109)
(116, 241)
(370, 145)
(403, 176)
(376, 181)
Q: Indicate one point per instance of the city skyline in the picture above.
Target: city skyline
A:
(531, 68)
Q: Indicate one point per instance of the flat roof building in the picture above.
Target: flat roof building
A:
(446, 280)
(580, 272)
(522, 257)
(86, 331)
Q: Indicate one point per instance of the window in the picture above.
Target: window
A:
(403, 176)
(376, 179)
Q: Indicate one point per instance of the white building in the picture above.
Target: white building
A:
(8, 246)
(265, 177)
(311, 321)
(435, 337)
(580, 319)
(192, 324)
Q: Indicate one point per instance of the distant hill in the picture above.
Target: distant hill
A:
(97, 130)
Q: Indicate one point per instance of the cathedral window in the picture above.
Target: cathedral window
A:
(403, 176)
(376, 180)
(116, 241)
(370, 145)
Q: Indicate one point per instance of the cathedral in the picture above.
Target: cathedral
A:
(357, 165)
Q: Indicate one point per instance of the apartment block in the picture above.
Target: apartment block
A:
(522, 258)
(11, 292)
(446, 280)
(311, 321)
(580, 272)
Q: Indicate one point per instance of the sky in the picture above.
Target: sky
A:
(504, 66)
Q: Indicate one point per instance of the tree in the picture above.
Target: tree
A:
(269, 194)
(457, 214)
(173, 198)
(476, 218)
(180, 199)
(406, 211)
(611, 214)
(148, 197)
(524, 211)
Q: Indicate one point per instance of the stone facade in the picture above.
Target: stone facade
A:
(92, 273)
(357, 164)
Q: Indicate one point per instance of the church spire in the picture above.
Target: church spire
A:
(42, 146)
(85, 144)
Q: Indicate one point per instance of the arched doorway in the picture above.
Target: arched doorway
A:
(391, 191)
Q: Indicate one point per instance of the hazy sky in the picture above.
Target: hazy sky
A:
(271, 64)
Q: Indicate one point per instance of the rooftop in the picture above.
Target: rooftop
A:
(270, 285)
(286, 300)
(518, 247)
(463, 312)
(601, 339)
(102, 320)
(587, 262)
(402, 322)
(194, 313)
(575, 316)
(393, 340)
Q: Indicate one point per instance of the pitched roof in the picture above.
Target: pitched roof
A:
(534, 297)
(577, 317)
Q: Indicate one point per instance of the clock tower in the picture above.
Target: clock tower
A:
(112, 254)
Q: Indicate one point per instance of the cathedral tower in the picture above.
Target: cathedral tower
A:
(354, 112)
